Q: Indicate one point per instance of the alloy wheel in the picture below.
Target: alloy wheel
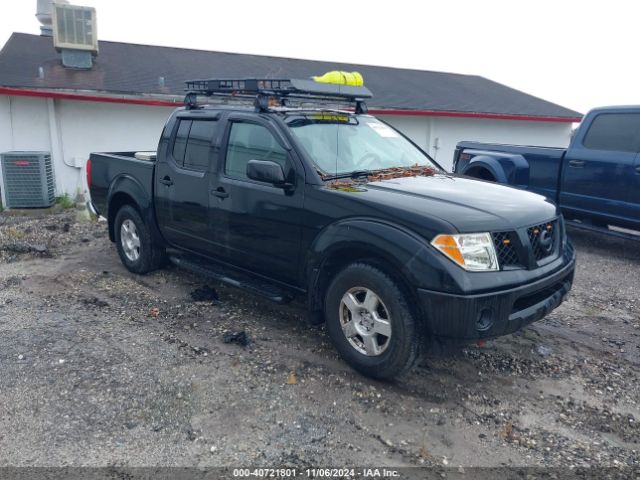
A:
(365, 321)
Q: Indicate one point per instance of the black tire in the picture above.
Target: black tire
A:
(151, 255)
(405, 340)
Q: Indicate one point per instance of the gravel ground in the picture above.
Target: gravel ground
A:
(102, 367)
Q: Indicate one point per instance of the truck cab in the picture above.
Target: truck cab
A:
(206, 201)
(601, 168)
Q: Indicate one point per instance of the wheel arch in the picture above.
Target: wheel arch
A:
(116, 202)
(127, 190)
(481, 172)
(394, 250)
(512, 169)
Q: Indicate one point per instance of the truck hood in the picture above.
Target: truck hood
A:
(469, 205)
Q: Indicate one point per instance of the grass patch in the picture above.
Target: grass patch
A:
(65, 201)
(12, 233)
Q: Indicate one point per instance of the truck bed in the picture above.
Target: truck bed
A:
(111, 168)
(547, 152)
(543, 164)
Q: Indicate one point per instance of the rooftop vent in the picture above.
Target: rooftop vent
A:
(75, 34)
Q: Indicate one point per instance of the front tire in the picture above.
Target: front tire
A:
(137, 249)
(370, 323)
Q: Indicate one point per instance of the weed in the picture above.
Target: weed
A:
(65, 201)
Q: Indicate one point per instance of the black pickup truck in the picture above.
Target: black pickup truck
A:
(339, 208)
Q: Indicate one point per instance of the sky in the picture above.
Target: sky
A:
(578, 54)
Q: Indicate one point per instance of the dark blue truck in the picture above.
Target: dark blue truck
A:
(596, 181)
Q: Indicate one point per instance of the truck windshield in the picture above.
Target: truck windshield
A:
(341, 143)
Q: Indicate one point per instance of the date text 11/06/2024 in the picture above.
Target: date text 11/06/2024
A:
(316, 473)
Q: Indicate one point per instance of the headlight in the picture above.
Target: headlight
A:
(472, 251)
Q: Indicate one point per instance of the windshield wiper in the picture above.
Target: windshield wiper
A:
(354, 174)
(360, 173)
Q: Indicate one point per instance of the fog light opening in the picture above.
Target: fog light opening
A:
(485, 320)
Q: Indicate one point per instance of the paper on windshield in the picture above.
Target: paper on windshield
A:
(382, 130)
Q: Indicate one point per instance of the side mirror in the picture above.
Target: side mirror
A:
(266, 171)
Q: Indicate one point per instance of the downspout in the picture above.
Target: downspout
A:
(427, 134)
(55, 140)
(434, 140)
(13, 140)
(12, 147)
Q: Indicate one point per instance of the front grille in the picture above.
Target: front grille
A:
(506, 248)
(543, 239)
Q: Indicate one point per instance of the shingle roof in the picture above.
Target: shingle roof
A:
(134, 69)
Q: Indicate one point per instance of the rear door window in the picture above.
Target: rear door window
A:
(198, 150)
(619, 132)
(192, 146)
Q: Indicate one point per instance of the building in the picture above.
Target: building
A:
(123, 100)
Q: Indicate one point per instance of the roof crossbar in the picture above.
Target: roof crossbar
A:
(282, 89)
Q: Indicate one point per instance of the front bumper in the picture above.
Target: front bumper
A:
(469, 317)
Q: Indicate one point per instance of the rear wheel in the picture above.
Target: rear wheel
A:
(370, 323)
(137, 249)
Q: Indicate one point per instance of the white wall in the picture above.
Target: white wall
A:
(416, 128)
(23, 126)
(6, 133)
(446, 132)
(71, 130)
(6, 137)
(103, 127)
(29, 124)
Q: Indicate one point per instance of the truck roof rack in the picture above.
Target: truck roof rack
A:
(264, 89)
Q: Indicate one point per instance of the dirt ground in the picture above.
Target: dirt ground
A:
(103, 367)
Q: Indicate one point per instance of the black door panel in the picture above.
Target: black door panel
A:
(634, 194)
(259, 224)
(183, 186)
(599, 178)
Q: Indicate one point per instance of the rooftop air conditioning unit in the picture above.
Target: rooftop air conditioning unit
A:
(28, 179)
(75, 28)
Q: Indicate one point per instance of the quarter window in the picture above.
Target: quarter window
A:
(249, 141)
(614, 132)
(180, 143)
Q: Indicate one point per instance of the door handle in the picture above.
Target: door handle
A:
(638, 170)
(220, 192)
(576, 163)
(167, 181)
